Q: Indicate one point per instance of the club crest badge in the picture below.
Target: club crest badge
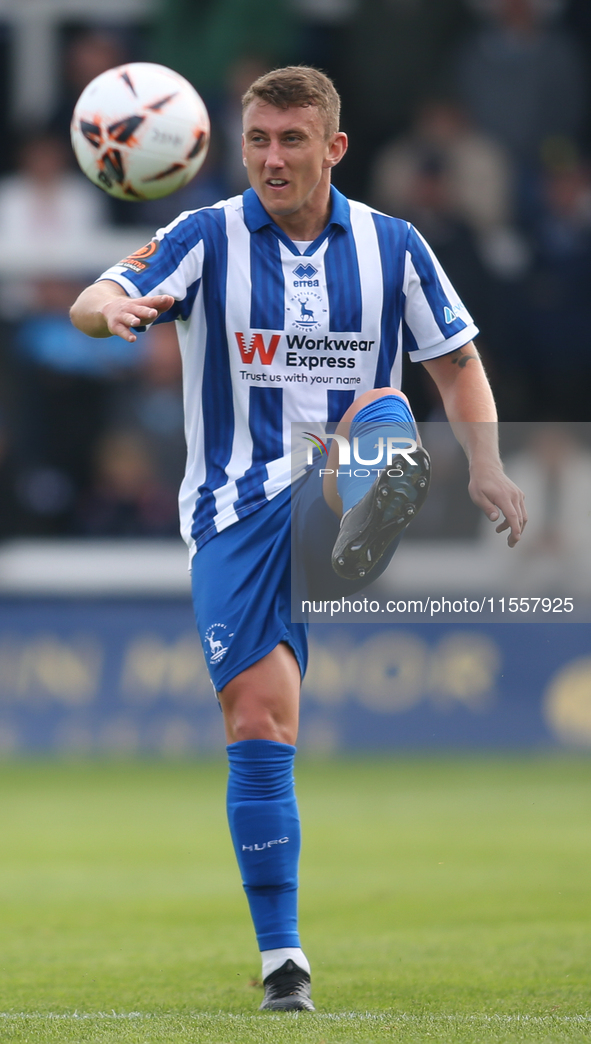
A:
(307, 311)
(217, 639)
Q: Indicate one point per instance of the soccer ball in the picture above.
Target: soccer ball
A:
(140, 131)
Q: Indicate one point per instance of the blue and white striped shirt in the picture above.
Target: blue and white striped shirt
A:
(270, 336)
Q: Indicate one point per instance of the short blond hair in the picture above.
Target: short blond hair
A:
(298, 85)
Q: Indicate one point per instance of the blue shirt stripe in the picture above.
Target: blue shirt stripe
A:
(409, 343)
(341, 266)
(338, 403)
(216, 399)
(431, 286)
(265, 422)
(173, 248)
(267, 308)
(391, 235)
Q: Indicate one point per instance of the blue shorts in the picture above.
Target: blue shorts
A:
(242, 579)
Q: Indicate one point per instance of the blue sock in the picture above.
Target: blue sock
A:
(386, 417)
(265, 828)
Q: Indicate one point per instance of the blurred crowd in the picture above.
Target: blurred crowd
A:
(471, 118)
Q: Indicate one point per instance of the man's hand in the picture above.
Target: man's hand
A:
(495, 493)
(104, 309)
(123, 313)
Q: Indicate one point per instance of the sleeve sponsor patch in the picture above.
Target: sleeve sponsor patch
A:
(140, 259)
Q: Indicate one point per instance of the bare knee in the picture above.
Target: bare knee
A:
(246, 720)
(262, 702)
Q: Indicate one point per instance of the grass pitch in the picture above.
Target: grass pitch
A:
(442, 900)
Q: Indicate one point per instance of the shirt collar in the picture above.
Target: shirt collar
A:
(256, 217)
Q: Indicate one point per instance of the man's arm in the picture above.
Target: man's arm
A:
(104, 309)
(471, 411)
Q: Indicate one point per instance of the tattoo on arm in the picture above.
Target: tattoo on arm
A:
(462, 358)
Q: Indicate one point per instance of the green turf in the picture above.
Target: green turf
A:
(442, 899)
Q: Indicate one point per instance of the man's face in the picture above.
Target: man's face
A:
(288, 157)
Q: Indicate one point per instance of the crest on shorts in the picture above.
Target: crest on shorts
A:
(216, 639)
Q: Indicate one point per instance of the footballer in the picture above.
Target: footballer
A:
(269, 289)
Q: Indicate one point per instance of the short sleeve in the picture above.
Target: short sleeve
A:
(171, 263)
(435, 319)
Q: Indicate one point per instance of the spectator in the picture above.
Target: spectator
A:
(64, 386)
(392, 56)
(45, 203)
(557, 324)
(521, 77)
(151, 404)
(427, 178)
(473, 172)
(125, 498)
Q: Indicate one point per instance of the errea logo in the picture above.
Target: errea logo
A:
(305, 271)
(305, 274)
